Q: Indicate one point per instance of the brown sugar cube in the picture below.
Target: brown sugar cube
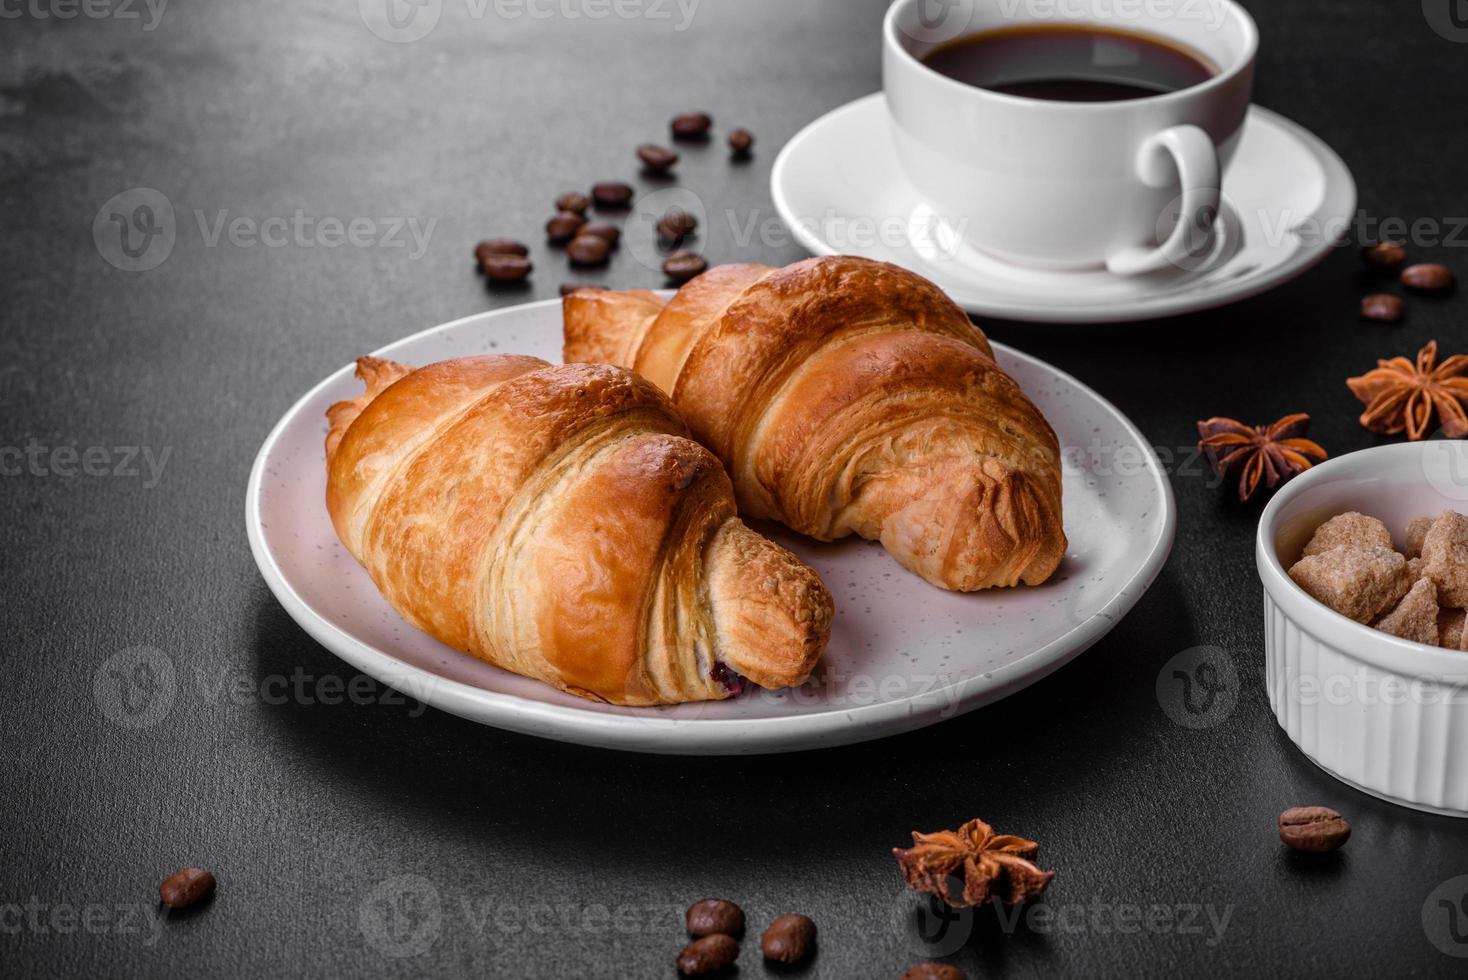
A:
(1415, 569)
(1450, 628)
(1415, 617)
(1445, 558)
(1360, 583)
(1349, 528)
(1416, 531)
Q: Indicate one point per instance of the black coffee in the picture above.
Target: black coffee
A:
(1071, 63)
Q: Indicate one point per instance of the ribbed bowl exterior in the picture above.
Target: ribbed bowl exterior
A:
(1401, 737)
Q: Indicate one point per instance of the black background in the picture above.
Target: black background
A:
(310, 813)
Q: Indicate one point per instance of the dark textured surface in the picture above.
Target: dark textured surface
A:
(549, 860)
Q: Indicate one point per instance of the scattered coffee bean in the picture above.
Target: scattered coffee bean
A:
(676, 225)
(612, 194)
(563, 227)
(789, 939)
(1315, 829)
(573, 201)
(714, 915)
(707, 955)
(691, 125)
(567, 288)
(1384, 255)
(588, 250)
(602, 229)
(499, 246)
(683, 265)
(934, 971)
(740, 142)
(1428, 277)
(506, 268)
(1383, 307)
(185, 887)
(656, 158)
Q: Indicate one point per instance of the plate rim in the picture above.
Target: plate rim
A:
(1224, 293)
(696, 736)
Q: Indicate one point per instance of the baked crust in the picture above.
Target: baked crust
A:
(555, 520)
(848, 396)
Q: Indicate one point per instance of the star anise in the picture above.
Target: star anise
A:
(1404, 397)
(1270, 454)
(990, 864)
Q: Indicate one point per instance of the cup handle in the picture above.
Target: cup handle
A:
(1196, 164)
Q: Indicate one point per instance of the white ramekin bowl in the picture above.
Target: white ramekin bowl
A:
(1384, 714)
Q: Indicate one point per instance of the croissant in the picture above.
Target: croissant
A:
(848, 396)
(556, 521)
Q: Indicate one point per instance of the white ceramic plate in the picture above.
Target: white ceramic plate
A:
(903, 654)
(1286, 198)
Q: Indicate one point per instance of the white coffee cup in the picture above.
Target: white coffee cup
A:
(1132, 186)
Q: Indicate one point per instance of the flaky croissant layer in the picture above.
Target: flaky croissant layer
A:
(848, 396)
(557, 522)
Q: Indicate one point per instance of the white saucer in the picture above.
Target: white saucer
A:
(839, 187)
(903, 654)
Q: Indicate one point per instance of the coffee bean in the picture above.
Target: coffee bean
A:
(1315, 829)
(185, 887)
(683, 265)
(707, 955)
(691, 125)
(499, 246)
(714, 915)
(789, 939)
(1384, 255)
(934, 971)
(573, 201)
(588, 250)
(567, 288)
(612, 194)
(676, 225)
(602, 229)
(740, 142)
(563, 227)
(1428, 276)
(506, 268)
(1383, 307)
(656, 158)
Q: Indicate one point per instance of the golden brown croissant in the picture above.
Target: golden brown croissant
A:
(849, 396)
(556, 521)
